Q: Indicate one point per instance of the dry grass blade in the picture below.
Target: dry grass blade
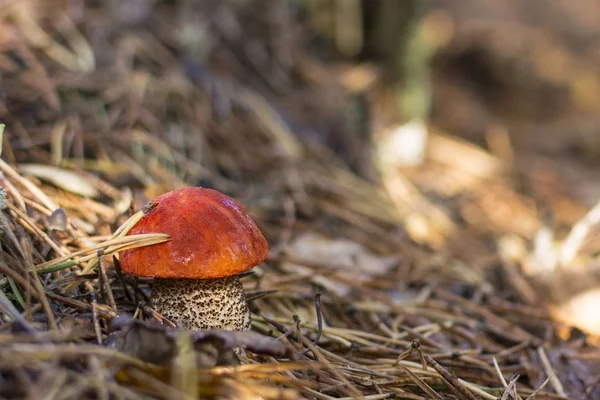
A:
(452, 382)
(554, 381)
(539, 389)
(109, 247)
(510, 389)
(419, 382)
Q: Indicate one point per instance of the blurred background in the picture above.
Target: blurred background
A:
(478, 118)
(445, 142)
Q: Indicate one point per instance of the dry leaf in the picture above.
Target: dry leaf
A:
(157, 344)
(64, 179)
(353, 261)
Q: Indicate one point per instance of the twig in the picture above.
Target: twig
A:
(106, 289)
(319, 322)
(558, 387)
(536, 391)
(95, 322)
(119, 272)
(508, 390)
(452, 382)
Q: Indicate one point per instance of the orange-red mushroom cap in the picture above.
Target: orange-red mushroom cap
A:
(212, 236)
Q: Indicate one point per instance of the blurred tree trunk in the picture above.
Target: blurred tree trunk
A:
(393, 34)
(389, 33)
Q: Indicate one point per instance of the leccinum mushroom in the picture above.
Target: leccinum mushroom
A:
(196, 280)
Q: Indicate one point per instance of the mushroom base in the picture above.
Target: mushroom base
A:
(203, 304)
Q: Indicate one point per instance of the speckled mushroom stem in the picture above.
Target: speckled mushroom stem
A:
(203, 304)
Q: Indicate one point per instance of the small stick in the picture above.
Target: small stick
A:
(452, 382)
(319, 322)
(103, 311)
(121, 279)
(511, 389)
(289, 331)
(536, 391)
(299, 334)
(35, 281)
(95, 320)
(416, 345)
(558, 387)
(348, 386)
(105, 284)
(280, 327)
(420, 383)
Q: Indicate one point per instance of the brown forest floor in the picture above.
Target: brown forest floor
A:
(454, 279)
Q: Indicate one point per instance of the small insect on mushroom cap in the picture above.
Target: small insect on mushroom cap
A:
(212, 236)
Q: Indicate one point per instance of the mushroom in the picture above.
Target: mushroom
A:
(57, 222)
(213, 240)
